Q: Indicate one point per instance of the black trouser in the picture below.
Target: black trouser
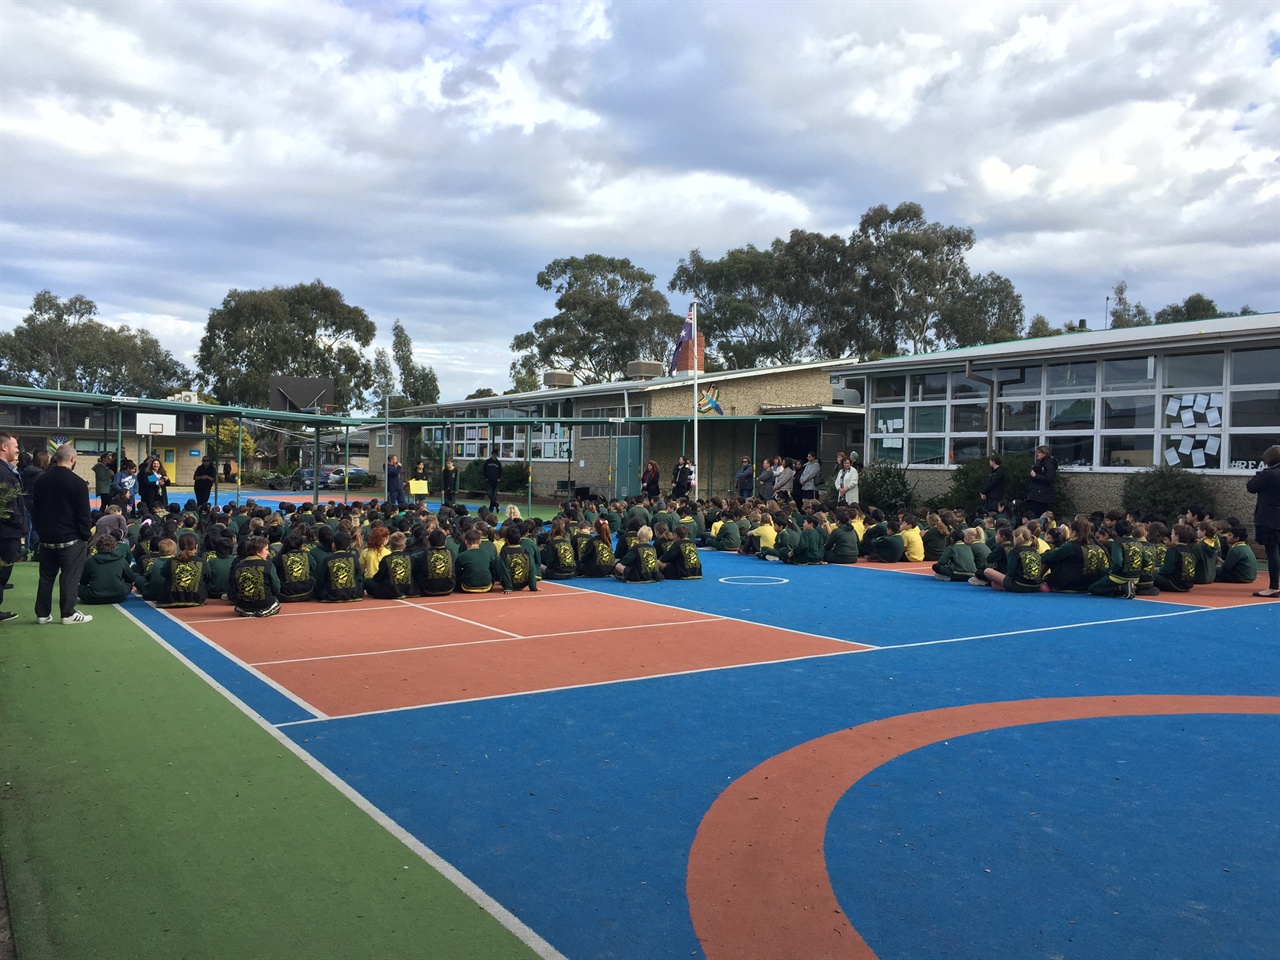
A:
(10, 551)
(491, 488)
(1269, 537)
(64, 563)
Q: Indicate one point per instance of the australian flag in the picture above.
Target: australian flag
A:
(686, 334)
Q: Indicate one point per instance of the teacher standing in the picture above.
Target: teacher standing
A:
(1266, 516)
(60, 512)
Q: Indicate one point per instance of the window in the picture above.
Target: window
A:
(1020, 381)
(1255, 366)
(1132, 373)
(88, 446)
(1128, 413)
(889, 388)
(964, 450)
(1255, 408)
(928, 386)
(1014, 446)
(1128, 450)
(1070, 414)
(1019, 415)
(927, 451)
(1080, 377)
(1247, 449)
(1193, 370)
(1200, 412)
(962, 387)
(969, 418)
(1193, 450)
(889, 420)
(1073, 451)
(29, 415)
(887, 448)
(590, 431)
(930, 419)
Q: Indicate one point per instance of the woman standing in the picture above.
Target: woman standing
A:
(811, 477)
(419, 473)
(764, 480)
(847, 482)
(681, 478)
(449, 481)
(784, 480)
(203, 481)
(1040, 490)
(650, 479)
(151, 483)
(1266, 516)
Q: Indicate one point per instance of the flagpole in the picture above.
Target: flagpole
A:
(694, 310)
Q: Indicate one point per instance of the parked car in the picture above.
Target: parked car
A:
(304, 479)
(351, 476)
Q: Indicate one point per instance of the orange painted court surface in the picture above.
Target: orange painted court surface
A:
(344, 659)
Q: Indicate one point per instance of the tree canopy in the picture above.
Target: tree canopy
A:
(61, 345)
(307, 330)
(609, 314)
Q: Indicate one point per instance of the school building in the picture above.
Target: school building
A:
(1204, 395)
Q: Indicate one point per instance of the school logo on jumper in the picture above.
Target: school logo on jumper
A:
(710, 401)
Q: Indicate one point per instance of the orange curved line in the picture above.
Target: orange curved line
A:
(758, 884)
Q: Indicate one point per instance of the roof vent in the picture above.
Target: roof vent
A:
(644, 370)
(558, 379)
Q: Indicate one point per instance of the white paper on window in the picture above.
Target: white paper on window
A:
(1197, 457)
(1171, 457)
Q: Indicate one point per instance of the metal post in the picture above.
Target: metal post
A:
(239, 454)
(693, 308)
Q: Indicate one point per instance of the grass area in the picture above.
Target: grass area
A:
(144, 815)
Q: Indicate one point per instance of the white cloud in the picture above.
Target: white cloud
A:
(429, 158)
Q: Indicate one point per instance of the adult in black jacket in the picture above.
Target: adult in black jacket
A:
(203, 480)
(492, 477)
(992, 492)
(1040, 490)
(60, 513)
(681, 478)
(13, 524)
(1266, 516)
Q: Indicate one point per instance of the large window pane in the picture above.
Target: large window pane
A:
(1128, 413)
(1255, 408)
(1195, 451)
(966, 449)
(969, 418)
(928, 386)
(1193, 370)
(1013, 446)
(888, 448)
(1073, 451)
(931, 419)
(927, 451)
(1256, 366)
(1079, 377)
(889, 388)
(1020, 415)
(1021, 381)
(889, 420)
(1070, 414)
(962, 386)
(1130, 373)
(1131, 450)
(1246, 449)
(1198, 412)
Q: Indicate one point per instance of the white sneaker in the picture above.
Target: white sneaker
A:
(43, 620)
(77, 617)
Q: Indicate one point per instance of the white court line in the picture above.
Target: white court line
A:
(442, 866)
(477, 643)
(1064, 626)
(243, 664)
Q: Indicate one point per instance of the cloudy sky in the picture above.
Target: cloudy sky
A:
(427, 159)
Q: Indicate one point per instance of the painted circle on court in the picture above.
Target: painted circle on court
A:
(753, 581)
(757, 880)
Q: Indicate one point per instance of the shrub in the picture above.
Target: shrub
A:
(515, 477)
(885, 484)
(968, 478)
(1165, 491)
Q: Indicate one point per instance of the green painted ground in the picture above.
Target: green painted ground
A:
(142, 815)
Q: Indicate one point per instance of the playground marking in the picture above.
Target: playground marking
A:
(750, 580)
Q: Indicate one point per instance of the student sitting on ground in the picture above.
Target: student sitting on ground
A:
(477, 569)
(1023, 572)
(1126, 562)
(785, 539)
(147, 575)
(435, 573)
(1146, 577)
(912, 543)
(1207, 551)
(812, 546)
(339, 578)
(220, 564)
(1240, 564)
(725, 532)
(579, 540)
(106, 577)
(254, 584)
(890, 547)
(762, 534)
(519, 558)
(293, 569)
(681, 560)
(559, 562)
(935, 537)
(842, 541)
(183, 579)
(1177, 574)
(976, 538)
(375, 549)
(598, 558)
(998, 558)
(956, 563)
(394, 577)
(640, 563)
(1076, 564)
